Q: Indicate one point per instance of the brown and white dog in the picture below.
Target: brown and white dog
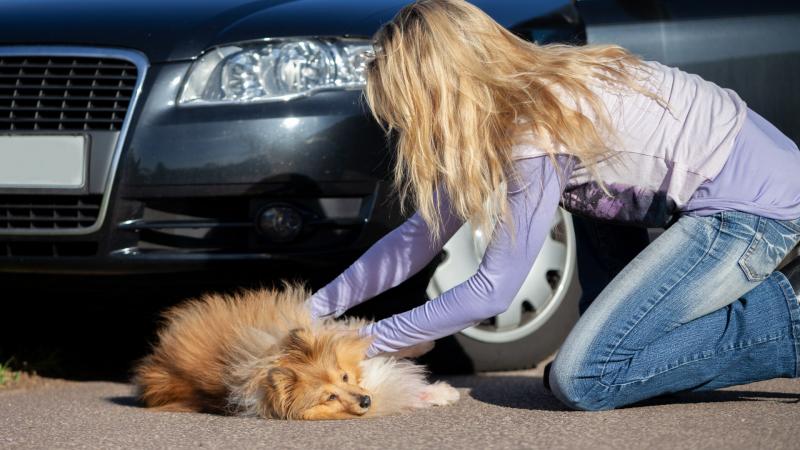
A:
(259, 353)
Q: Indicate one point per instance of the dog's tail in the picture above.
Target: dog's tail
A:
(157, 388)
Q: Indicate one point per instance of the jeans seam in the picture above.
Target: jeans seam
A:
(758, 236)
(794, 311)
(707, 251)
(713, 355)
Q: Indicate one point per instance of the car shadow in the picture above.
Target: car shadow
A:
(527, 392)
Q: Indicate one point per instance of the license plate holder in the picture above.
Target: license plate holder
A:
(44, 163)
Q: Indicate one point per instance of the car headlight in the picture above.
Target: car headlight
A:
(275, 69)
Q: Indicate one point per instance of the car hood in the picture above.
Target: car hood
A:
(172, 30)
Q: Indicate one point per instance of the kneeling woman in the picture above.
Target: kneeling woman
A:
(493, 129)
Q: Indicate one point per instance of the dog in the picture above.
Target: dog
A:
(260, 353)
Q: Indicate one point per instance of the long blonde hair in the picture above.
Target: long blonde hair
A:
(455, 87)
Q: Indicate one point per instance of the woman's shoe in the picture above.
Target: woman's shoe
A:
(792, 272)
(546, 376)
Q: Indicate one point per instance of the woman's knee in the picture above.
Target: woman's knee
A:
(576, 388)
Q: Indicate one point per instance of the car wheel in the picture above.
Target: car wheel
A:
(541, 314)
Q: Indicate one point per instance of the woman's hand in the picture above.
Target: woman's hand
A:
(412, 351)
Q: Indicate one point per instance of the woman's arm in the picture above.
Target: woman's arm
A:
(502, 271)
(390, 261)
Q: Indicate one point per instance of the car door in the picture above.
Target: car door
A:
(748, 46)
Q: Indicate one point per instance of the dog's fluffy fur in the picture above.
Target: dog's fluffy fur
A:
(259, 353)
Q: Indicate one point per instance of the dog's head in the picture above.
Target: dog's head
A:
(316, 376)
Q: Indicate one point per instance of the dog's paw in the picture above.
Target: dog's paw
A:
(439, 394)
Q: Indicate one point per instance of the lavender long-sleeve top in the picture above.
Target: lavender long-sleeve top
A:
(772, 189)
(407, 249)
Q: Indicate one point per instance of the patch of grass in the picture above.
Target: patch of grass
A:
(8, 376)
(33, 359)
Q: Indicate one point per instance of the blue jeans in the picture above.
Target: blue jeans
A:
(700, 308)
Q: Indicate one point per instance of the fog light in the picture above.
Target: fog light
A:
(280, 223)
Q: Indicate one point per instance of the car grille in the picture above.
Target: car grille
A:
(62, 93)
(48, 211)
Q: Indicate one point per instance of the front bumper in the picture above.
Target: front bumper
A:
(191, 182)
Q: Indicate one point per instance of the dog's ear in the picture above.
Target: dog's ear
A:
(281, 382)
(352, 349)
(299, 341)
(281, 378)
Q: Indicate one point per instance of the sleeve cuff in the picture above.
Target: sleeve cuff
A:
(366, 331)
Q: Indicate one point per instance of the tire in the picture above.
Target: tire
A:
(540, 317)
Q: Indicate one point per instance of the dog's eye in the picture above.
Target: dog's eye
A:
(332, 397)
(345, 378)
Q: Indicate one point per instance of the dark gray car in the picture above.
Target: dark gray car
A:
(143, 136)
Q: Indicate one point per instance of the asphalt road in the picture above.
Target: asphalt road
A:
(88, 333)
(497, 411)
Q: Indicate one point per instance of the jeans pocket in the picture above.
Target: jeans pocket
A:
(771, 241)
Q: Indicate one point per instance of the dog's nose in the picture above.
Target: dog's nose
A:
(365, 401)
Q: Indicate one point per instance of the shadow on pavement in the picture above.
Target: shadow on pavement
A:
(520, 392)
(527, 392)
(125, 400)
(724, 396)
